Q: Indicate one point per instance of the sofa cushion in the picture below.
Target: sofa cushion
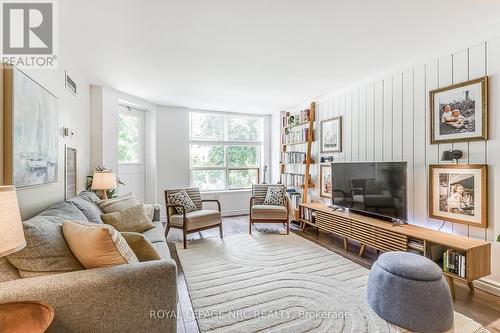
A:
(46, 250)
(197, 219)
(88, 208)
(7, 271)
(119, 203)
(132, 219)
(268, 212)
(90, 196)
(156, 234)
(142, 247)
(97, 245)
(64, 210)
(183, 199)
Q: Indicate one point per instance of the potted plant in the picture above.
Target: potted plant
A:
(110, 193)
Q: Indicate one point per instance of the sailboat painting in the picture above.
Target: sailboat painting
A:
(34, 133)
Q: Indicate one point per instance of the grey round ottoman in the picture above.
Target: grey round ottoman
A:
(408, 290)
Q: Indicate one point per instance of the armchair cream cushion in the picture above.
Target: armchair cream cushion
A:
(197, 219)
(269, 212)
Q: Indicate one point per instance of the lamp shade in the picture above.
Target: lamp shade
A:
(103, 180)
(11, 227)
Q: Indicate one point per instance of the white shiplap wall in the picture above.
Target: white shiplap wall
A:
(388, 120)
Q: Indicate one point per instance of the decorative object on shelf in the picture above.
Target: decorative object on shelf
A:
(325, 159)
(459, 193)
(460, 112)
(325, 181)
(331, 135)
(451, 155)
(70, 174)
(31, 131)
(111, 193)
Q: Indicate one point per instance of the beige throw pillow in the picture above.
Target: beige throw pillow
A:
(142, 247)
(118, 204)
(97, 245)
(132, 219)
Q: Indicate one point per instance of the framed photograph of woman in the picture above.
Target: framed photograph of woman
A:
(325, 181)
(459, 193)
(460, 112)
(331, 135)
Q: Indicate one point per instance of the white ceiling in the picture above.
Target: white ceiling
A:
(257, 55)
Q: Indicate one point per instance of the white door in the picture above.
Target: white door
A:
(131, 152)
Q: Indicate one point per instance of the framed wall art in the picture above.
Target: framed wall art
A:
(325, 181)
(460, 112)
(31, 135)
(459, 193)
(70, 173)
(331, 135)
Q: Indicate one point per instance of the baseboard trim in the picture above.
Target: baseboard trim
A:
(490, 286)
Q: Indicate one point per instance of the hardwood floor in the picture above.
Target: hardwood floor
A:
(480, 306)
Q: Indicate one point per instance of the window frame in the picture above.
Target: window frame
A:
(226, 143)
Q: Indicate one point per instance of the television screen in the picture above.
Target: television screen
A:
(371, 188)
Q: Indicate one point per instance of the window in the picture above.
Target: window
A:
(130, 135)
(225, 150)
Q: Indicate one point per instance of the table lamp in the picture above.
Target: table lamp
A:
(103, 181)
(11, 227)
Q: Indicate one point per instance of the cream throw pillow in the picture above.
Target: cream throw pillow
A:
(133, 219)
(118, 204)
(142, 247)
(97, 245)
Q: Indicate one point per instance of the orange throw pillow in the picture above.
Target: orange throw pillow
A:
(97, 245)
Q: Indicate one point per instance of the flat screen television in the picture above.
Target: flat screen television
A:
(371, 188)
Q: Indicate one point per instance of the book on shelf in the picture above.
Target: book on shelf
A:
(294, 136)
(454, 262)
(292, 179)
(295, 199)
(293, 157)
(307, 214)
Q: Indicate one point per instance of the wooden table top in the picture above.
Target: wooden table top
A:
(25, 317)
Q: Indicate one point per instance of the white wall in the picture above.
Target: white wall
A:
(173, 159)
(388, 120)
(73, 113)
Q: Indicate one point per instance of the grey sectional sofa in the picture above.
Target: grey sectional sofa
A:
(125, 298)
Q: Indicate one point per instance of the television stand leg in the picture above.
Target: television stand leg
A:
(346, 244)
(451, 284)
(471, 287)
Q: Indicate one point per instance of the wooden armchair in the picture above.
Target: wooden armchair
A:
(198, 220)
(260, 213)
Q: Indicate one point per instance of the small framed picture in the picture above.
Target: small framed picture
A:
(325, 180)
(331, 135)
(459, 193)
(460, 112)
